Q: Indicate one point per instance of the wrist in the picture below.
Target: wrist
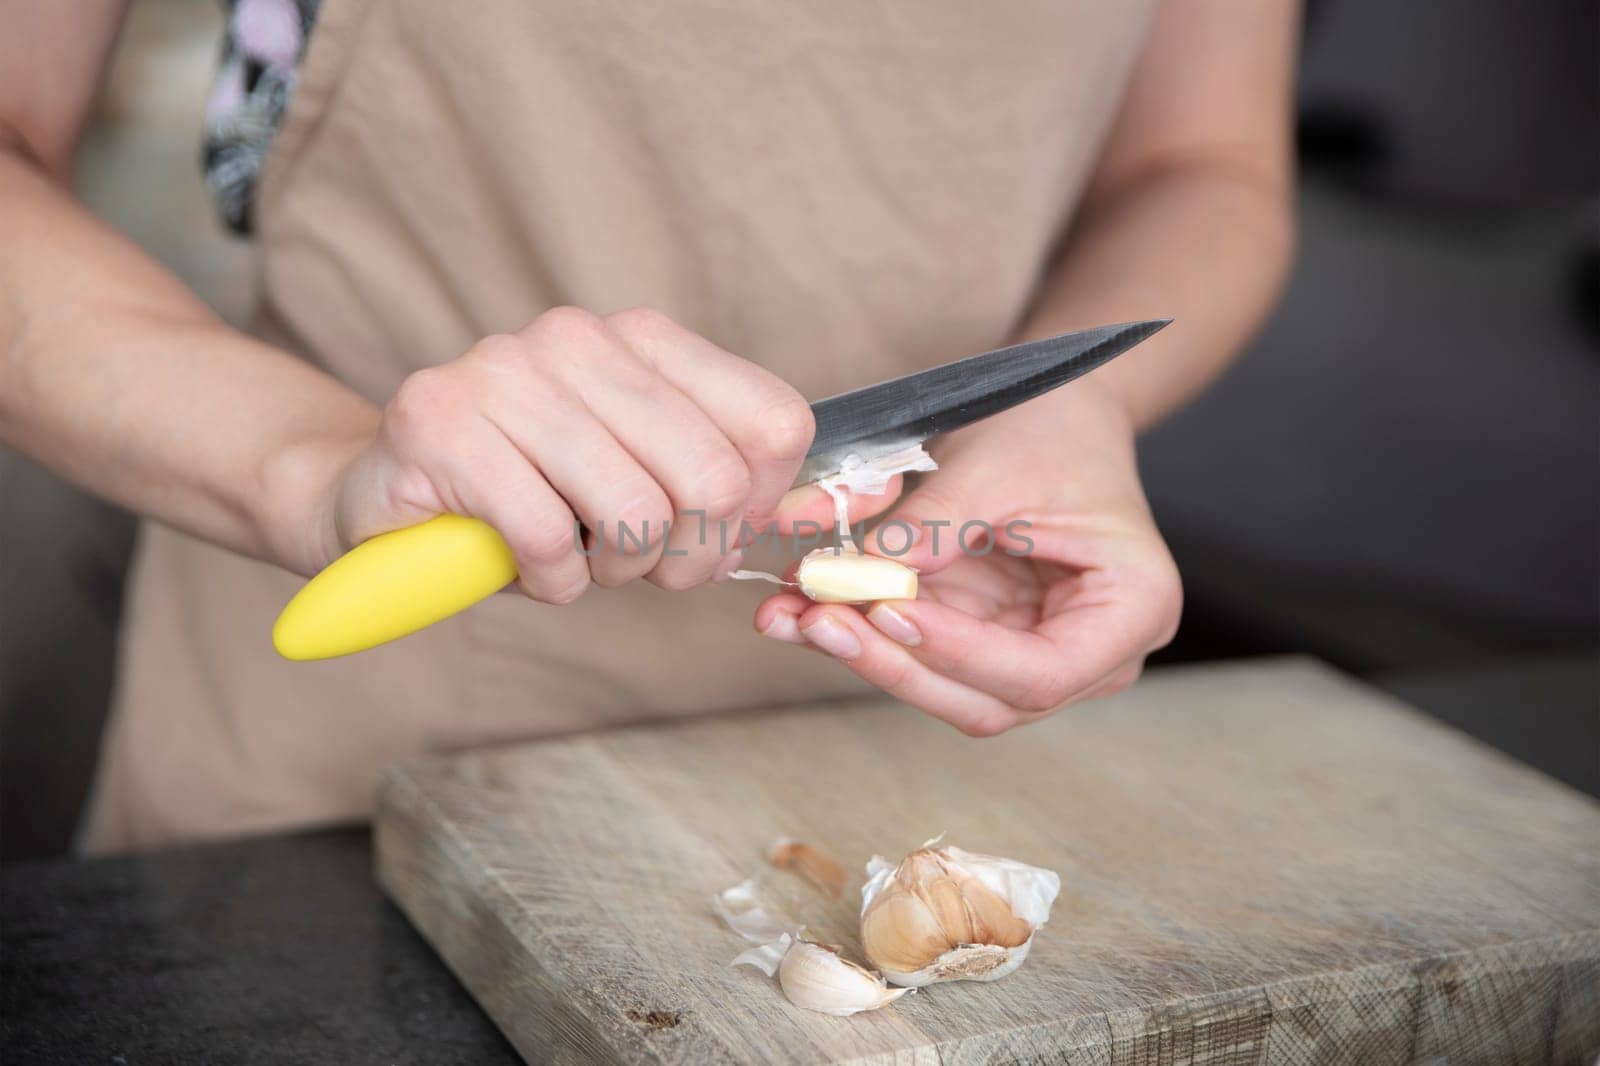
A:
(1088, 412)
(1114, 388)
(298, 484)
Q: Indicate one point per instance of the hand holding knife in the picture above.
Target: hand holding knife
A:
(403, 581)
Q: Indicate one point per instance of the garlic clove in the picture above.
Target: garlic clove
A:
(949, 906)
(880, 578)
(816, 977)
(831, 576)
(904, 932)
(944, 914)
(991, 917)
(1028, 890)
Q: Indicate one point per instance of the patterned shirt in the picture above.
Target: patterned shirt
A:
(262, 49)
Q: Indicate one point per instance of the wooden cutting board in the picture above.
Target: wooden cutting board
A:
(1260, 863)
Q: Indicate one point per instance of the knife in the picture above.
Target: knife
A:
(406, 580)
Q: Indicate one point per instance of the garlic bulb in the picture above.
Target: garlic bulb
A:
(944, 914)
(816, 977)
(830, 576)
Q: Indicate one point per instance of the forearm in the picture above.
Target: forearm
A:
(118, 378)
(1205, 245)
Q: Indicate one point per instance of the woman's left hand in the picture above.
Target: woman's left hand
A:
(1075, 589)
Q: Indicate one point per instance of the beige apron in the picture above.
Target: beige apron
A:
(840, 191)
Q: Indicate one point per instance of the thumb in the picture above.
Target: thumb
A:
(934, 526)
(810, 505)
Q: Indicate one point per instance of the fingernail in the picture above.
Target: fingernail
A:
(894, 625)
(784, 627)
(730, 562)
(833, 638)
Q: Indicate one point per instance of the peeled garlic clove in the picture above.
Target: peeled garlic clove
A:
(816, 977)
(830, 576)
(944, 914)
(860, 578)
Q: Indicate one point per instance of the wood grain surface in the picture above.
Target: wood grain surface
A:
(1261, 863)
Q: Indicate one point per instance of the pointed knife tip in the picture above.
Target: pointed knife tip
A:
(1150, 327)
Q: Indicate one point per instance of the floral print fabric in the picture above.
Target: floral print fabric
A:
(264, 43)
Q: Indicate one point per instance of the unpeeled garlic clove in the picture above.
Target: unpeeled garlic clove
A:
(944, 914)
(816, 977)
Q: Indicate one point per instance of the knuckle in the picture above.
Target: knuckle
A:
(644, 322)
(614, 573)
(786, 428)
(568, 594)
(421, 419)
(424, 397)
(1125, 679)
(567, 324)
(960, 658)
(546, 543)
(1046, 692)
(894, 674)
(499, 351)
(989, 723)
(723, 485)
(674, 578)
(641, 526)
(568, 345)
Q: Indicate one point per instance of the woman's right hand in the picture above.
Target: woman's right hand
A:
(578, 420)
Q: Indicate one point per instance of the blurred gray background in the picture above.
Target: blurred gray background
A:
(1400, 476)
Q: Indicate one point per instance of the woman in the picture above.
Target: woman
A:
(562, 263)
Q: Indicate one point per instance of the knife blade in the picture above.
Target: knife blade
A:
(895, 414)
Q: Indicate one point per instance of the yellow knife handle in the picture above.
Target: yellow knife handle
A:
(394, 584)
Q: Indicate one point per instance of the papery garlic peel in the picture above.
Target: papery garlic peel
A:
(851, 576)
(944, 914)
(743, 910)
(815, 865)
(816, 977)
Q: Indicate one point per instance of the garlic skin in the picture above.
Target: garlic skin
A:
(828, 575)
(743, 910)
(851, 576)
(816, 977)
(944, 914)
(812, 863)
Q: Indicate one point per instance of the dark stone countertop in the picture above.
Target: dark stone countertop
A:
(268, 950)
